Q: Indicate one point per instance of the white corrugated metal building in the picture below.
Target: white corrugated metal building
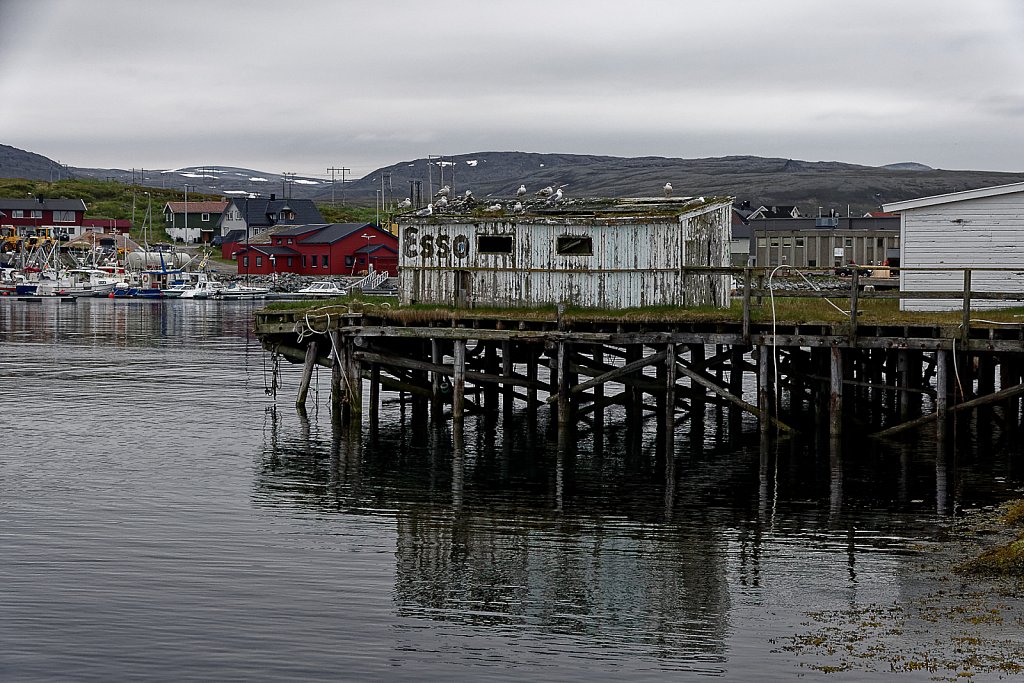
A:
(589, 253)
(981, 228)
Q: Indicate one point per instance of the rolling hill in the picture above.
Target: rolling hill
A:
(759, 180)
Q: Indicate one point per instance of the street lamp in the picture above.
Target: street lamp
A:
(273, 269)
(186, 238)
(366, 236)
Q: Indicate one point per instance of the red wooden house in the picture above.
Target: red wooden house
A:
(331, 249)
(50, 217)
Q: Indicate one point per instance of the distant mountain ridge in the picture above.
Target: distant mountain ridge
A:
(759, 180)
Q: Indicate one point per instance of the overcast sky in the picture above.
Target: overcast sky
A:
(302, 86)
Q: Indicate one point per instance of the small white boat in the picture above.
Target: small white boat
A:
(77, 282)
(322, 289)
(237, 291)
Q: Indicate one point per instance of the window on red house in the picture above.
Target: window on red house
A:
(245, 261)
(325, 261)
(289, 261)
(303, 261)
(259, 261)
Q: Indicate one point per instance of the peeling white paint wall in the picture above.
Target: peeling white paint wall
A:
(636, 260)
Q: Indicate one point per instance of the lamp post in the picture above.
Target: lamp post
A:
(273, 269)
(186, 238)
(366, 236)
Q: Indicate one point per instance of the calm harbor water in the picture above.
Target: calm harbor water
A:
(162, 517)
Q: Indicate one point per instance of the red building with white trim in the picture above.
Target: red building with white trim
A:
(52, 217)
(331, 249)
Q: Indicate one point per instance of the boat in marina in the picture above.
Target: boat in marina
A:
(322, 289)
(238, 291)
(203, 287)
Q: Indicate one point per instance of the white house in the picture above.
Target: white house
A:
(981, 228)
(593, 253)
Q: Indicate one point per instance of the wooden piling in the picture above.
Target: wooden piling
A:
(835, 397)
(459, 381)
(307, 373)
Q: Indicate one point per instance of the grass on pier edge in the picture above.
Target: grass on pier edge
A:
(786, 310)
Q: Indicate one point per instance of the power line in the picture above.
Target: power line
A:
(343, 170)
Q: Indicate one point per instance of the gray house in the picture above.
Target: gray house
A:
(591, 253)
(971, 229)
(257, 215)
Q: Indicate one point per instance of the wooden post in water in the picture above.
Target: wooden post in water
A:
(941, 394)
(835, 397)
(436, 404)
(374, 393)
(337, 371)
(563, 383)
(764, 384)
(670, 401)
(353, 380)
(598, 393)
(459, 382)
(507, 395)
(307, 373)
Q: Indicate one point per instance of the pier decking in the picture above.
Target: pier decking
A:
(883, 378)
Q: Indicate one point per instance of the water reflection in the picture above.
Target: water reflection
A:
(623, 535)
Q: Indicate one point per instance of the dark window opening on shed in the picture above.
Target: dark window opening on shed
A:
(494, 244)
(575, 246)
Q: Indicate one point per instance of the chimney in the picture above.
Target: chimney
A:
(273, 197)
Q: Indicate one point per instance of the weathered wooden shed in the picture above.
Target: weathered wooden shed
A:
(981, 228)
(620, 253)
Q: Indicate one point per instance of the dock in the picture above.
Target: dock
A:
(880, 379)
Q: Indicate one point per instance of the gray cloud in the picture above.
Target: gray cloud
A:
(127, 83)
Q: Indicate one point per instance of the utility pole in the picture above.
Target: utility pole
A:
(286, 182)
(332, 170)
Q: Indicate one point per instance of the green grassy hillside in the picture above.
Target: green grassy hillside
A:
(107, 199)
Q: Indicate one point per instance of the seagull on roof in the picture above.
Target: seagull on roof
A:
(668, 189)
(545, 191)
(494, 207)
(426, 211)
(556, 197)
(443, 192)
(521, 191)
(518, 207)
(405, 203)
(441, 202)
(468, 195)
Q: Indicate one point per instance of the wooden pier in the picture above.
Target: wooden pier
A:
(824, 377)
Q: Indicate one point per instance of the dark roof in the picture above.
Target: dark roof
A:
(258, 211)
(234, 236)
(339, 231)
(269, 250)
(47, 204)
(197, 207)
(296, 230)
(370, 248)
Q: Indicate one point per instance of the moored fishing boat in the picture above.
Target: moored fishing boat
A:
(322, 289)
(239, 291)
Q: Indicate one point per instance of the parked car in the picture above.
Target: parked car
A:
(847, 270)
